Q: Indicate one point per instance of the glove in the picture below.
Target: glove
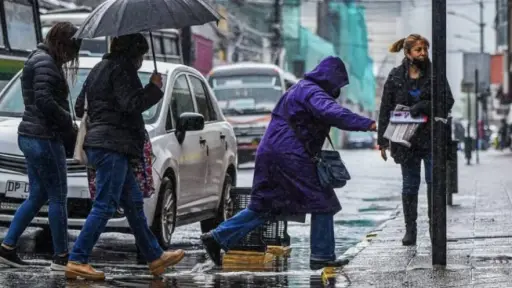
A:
(422, 107)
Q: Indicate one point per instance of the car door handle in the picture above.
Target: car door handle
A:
(222, 136)
(202, 141)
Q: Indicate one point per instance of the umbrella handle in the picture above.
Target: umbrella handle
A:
(153, 49)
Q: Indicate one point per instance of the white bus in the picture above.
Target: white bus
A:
(166, 41)
(19, 34)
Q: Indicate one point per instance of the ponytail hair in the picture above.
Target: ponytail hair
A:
(407, 43)
(397, 46)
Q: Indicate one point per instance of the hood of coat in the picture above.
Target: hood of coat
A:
(331, 75)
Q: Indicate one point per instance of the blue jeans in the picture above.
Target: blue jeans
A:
(230, 232)
(47, 178)
(115, 186)
(411, 174)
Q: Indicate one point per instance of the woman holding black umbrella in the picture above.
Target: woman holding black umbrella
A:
(116, 135)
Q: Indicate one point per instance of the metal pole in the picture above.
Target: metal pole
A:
(477, 130)
(482, 25)
(468, 145)
(439, 145)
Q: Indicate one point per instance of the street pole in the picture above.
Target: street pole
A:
(276, 31)
(477, 130)
(482, 25)
(439, 131)
(468, 145)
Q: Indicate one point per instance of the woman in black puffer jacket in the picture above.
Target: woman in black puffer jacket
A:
(409, 84)
(115, 136)
(44, 135)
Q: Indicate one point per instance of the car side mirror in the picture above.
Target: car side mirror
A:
(188, 121)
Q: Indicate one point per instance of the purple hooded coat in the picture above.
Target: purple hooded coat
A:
(285, 178)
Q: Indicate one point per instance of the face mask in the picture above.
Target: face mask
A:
(421, 64)
(336, 93)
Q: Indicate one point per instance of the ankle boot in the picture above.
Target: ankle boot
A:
(429, 203)
(410, 208)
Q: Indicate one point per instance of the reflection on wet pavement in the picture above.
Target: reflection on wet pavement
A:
(367, 201)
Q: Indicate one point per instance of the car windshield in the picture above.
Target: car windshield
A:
(248, 100)
(11, 100)
(243, 94)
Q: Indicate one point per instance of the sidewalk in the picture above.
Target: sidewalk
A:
(479, 225)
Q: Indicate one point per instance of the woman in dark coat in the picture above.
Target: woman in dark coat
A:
(115, 136)
(285, 177)
(410, 84)
(45, 136)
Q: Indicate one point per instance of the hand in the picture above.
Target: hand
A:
(156, 78)
(373, 127)
(383, 154)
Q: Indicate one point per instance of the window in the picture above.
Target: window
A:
(11, 103)
(204, 104)
(288, 84)
(21, 29)
(181, 100)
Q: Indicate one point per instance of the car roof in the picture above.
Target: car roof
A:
(253, 65)
(243, 65)
(147, 65)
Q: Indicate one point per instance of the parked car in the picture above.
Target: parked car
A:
(360, 140)
(194, 166)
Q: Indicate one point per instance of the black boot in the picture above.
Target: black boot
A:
(410, 208)
(429, 201)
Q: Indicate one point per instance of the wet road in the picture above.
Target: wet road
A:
(368, 199)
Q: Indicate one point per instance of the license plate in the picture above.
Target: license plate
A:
(16, 189)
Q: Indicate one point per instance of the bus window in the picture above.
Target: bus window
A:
(21, 28)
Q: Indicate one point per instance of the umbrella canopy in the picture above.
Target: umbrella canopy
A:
(121, 17)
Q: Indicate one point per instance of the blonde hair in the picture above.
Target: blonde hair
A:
(407, 43)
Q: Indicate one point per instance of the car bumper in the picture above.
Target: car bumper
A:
(79, 202)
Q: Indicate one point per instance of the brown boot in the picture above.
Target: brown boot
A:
(74, 270)
(168, 258)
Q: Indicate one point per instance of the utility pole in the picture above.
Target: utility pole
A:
(275, 29)
(439, 132)
(477, 95)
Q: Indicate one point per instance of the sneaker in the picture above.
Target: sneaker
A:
(59, 263)
(168, 258)
(11, 258)
(212, 248)
(318, 264)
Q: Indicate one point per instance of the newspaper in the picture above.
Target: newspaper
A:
(402, 126)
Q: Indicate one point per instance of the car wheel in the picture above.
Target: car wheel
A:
(225, 210)
(165, 218)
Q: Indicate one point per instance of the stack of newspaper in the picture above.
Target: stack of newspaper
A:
(402, 125)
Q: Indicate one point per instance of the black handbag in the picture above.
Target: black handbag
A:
(331, 170)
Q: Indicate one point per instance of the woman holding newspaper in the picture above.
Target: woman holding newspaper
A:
(404, 124)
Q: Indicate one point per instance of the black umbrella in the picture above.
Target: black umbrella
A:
(121, 17)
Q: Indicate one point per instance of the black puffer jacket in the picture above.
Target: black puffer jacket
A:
(396, 92)
(45, 95)
(115, 102)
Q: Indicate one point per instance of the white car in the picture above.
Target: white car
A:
(194, 166)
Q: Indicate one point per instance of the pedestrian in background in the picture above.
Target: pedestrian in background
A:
(285, 174)
(45, 136)
(115, 135)
(409, 84)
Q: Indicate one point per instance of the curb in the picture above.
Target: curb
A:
(353, 251)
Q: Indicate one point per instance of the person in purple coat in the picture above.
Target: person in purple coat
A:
(285, 177)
